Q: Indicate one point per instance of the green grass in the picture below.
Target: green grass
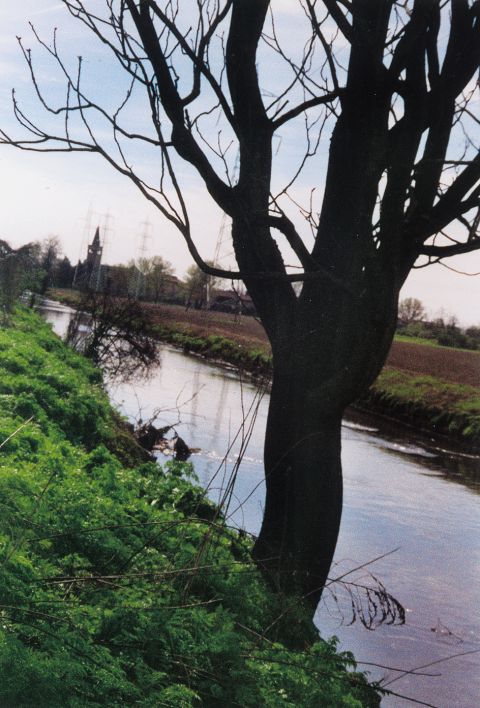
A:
(120, 583)
(218, 348)
(424, 341)
(446, 408)
(419, 340)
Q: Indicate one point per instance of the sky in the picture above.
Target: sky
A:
(68, 195)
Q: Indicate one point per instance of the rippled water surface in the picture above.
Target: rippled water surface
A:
(399, 494)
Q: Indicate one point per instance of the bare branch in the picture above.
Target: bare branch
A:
(305, 106)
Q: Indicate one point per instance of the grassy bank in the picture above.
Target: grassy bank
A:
(440, 408)
(120, 584)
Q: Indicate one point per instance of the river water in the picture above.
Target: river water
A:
(414, 507)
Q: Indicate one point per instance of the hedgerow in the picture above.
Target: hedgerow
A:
(123, 585)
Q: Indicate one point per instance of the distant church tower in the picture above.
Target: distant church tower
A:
(94, 259)
(87, 275)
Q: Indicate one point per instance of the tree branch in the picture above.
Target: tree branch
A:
(447, 251)
(287, 228)
(248, 17)
(182, 139)
(200, 67)
(343, 24)
(305, 106)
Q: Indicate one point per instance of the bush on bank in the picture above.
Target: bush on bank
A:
(120, 583)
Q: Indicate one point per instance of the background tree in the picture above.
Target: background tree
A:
(49, 259)
(389, 87)
(198, 286)
(17, 272)
(157, 271)
(411, 310)
(473, 334)
(64, 273)
(118, 280)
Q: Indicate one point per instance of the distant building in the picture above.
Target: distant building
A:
(231, 301)
(88, 273)
(174, 289)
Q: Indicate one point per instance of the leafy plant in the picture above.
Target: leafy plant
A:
(123, 585)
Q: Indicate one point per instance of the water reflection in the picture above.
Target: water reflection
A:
(451, 464)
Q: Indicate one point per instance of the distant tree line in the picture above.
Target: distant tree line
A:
(34, 267)
(41, 265)
(153, 280)
(413, 322)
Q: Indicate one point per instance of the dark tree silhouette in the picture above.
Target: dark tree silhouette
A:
(17, 267)
(115, 333)
(391, 85)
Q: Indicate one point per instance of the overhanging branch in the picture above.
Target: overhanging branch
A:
(182, 138)
(454, 250)
(343, 24)
(305, 106)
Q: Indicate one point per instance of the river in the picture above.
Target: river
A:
(414, 507)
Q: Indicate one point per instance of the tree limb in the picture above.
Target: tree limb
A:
(305, 106)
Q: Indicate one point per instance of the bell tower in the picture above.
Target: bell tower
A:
(94, 259)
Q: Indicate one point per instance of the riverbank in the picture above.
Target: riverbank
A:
(436, 390)
(120, 583)
(450, 412)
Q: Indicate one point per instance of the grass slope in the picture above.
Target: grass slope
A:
(120, 584)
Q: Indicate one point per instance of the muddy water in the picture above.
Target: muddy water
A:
(417, 504)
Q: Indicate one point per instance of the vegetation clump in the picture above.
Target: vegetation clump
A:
(120, 582)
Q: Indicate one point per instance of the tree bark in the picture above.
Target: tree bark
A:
(320, 368)
(303, 478)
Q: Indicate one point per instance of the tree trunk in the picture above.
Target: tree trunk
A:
(332, 353)
(303, 477)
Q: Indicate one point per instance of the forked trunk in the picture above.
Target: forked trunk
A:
(330, 354)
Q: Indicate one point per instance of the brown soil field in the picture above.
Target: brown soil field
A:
(453, 365)
(244, 330)
(445, 363)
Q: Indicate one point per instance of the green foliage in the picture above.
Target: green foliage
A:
(439, 333)
(123, 585)
(219, 348)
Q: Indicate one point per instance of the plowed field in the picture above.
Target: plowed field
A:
(454, 365)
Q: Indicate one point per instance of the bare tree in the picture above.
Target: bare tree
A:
(50, 254)
(411, 310)
(115, 334)
(390, 84)
(198, 286)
